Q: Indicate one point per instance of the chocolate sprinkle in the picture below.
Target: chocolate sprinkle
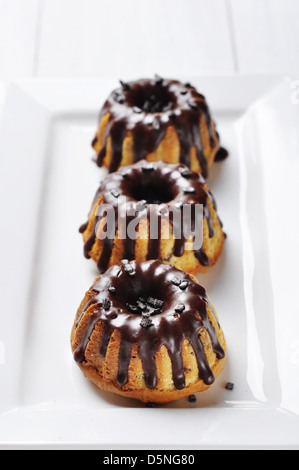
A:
(141, 305)
(106, 304)
(125, 85)
(192, 398)
(132, 308)
(129, 269)
(151, 405)
(115, 193)
(146, 322)
(229, 386)
(184, 284)
(120, 99)
(221, 155)
(146, 313)
(176, 281)
(158, 80)
(156, 303)
(180, 308)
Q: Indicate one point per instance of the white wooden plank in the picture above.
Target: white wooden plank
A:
(18, 21)
(266, 35)
(133, 38)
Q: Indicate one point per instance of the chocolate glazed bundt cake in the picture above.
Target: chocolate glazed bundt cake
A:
(155, 196)
(148, 331)
(157, 119)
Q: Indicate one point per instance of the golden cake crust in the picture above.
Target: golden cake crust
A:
(168, 150)
(156, 120)
(168, 248)
(103, 371)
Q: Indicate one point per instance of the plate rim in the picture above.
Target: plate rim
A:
(50, 110)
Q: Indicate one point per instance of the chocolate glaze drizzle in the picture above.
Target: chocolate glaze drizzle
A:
(147, 108)
(146, 190)
(222, 154)
(169, 288)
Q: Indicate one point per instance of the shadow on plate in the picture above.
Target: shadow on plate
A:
(213, 276)
(215, 174)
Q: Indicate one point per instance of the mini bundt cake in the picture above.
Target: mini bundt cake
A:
(148, 331)
(149, 206)
(157, 119)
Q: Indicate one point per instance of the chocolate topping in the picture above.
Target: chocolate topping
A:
(157, 193)
(153, 280)
(147, 108)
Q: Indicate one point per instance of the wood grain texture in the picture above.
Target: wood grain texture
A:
(129, 39)
(266, 35)
(95, 38)
(18, 23)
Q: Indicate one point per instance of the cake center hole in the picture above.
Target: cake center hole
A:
(153, 189)
(152, 98)
(152, 194)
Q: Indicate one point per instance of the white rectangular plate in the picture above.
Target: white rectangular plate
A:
(47, 184)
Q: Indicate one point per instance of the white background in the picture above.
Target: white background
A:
(134, 38)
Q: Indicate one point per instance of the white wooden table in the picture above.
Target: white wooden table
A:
(133, 38)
